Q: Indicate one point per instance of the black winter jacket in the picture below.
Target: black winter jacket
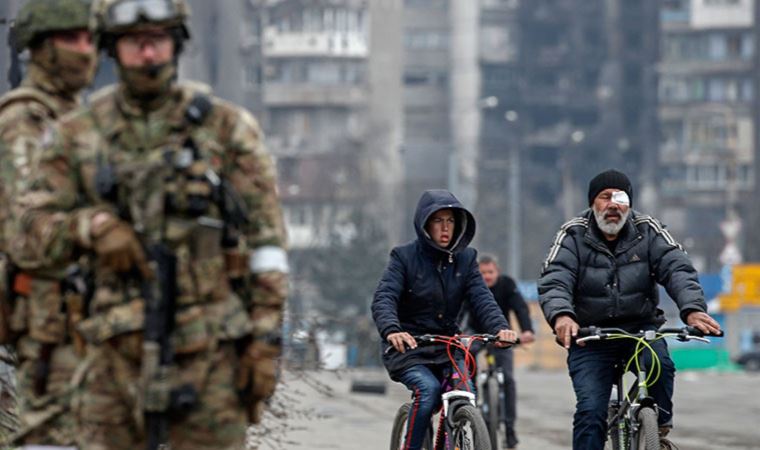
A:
(508, 297)
(582, 278)
(424, 285)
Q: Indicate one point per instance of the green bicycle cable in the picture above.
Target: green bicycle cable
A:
(655, 371)
(656, 359)
(641, 345)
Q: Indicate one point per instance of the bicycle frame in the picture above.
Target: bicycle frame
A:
(451, 400)
(624, 412)
(493, 404)
(624, 422)
(454, 397)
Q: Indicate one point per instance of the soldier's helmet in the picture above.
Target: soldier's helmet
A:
(37, 18)
(111, 18)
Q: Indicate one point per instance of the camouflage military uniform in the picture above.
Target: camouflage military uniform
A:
(33, 320)
(165, 156)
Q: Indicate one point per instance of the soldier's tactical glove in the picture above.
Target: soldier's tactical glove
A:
(256, 377)
(117, 246)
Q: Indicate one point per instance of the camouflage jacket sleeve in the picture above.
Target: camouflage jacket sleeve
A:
(47, 220)
(252, 174)
(22, 125)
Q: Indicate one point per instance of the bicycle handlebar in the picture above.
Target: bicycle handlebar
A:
(437, 339)
(682, 334)
(432, 339)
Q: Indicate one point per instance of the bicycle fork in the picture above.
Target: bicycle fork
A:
(625, 417)
(617, 415)
(451, 399)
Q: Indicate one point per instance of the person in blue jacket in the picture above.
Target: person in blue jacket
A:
(421, 292)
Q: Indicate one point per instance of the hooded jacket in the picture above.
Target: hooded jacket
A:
(584, 279)
(424, 285)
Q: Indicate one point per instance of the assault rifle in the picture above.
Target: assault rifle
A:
(160, 294)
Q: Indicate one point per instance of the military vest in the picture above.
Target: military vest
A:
(158, 173)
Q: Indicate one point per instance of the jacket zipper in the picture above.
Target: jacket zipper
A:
(443, 293)
(606, 250)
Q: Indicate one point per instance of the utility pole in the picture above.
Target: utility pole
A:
(514, 230)
(464, 90)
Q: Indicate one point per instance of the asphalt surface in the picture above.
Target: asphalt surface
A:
(316, 410)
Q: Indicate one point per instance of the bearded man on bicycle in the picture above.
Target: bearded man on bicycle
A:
(603, 269)
(421, 292)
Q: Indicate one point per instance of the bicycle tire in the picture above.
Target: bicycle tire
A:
(613, 436)
(398, 433)
(648, 434)
(469, 431)
(492, 417)
(613, 440)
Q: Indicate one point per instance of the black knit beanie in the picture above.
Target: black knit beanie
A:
(609, 179)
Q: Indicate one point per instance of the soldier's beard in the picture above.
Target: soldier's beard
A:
(147, 83)
(609, 227)
(68, 71)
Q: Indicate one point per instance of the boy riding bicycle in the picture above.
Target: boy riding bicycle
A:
(421, 292)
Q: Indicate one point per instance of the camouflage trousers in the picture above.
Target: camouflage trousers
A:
(46, 419)
(8, 403)
(108, 409)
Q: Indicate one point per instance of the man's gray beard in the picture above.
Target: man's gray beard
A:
(610, 228)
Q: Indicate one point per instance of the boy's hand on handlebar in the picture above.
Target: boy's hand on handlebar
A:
(703, 322)
(506, 338)
(400, 340)
(566, 329)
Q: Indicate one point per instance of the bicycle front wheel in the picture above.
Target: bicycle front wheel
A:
(470, 431)
(400, 430)
(648, 435)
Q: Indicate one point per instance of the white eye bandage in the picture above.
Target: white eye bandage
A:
(621, 198)
(269, 259)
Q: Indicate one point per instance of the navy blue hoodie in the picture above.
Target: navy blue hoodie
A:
(424, 285)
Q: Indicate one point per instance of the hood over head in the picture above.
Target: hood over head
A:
(434, 200)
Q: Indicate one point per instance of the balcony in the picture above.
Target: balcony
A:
(737, 14)
(705, 66)
(315, 44)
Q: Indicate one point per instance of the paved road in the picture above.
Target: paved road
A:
(315, 410)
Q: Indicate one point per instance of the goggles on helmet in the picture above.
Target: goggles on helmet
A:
(129, 12)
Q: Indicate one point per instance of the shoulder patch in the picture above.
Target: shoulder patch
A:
(658, 228)
(560, 237)
(198, 109)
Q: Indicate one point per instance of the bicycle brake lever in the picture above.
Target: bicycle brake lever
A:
(589, 338)
(697, 338)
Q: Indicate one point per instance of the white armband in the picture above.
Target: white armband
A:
(268, 259)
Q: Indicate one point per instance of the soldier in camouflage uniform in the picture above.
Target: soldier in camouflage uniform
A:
(62, 62)
(144, 164)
